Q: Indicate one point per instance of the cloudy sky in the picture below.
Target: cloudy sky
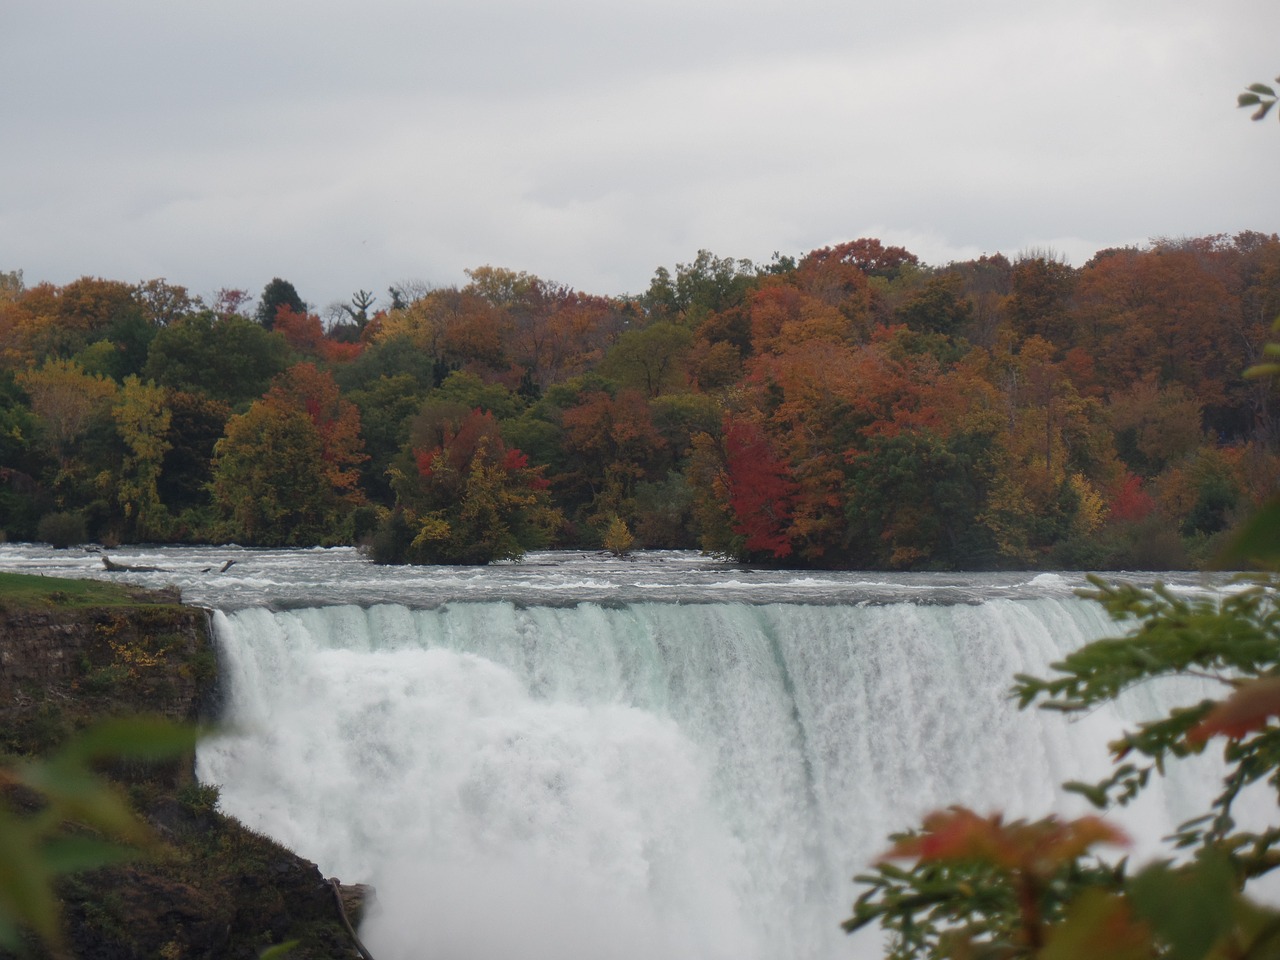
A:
(351, 145)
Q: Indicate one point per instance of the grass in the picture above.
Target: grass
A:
(26, 591)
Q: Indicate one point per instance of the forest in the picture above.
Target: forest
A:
(849, 408)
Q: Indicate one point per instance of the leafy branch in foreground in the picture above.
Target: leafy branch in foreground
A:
(58, 816)
(982, 888)
(1258, 95)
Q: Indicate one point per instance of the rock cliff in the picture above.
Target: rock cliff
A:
(215, 889)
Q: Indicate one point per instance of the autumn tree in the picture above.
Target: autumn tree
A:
(1154, 425)
(550, 331)
(336, 421)
(463, 496)
(269, 481)
(71, 406)
(852, 277)
(287, 471)
(453, 327)
(98, 322)
(611, 443)
(1160, 311)
(759, 492)
(164, 303)
(1041, 286)
(142, 420)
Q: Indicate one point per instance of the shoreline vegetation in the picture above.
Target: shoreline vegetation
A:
(102, 687)
(848, 408)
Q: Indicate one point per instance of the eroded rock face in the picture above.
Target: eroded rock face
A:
(214, 888)
(63, 669)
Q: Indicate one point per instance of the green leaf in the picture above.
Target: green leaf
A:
(1248, 100)
(74, 793)
(69, 854)
(26, 893)
(1190, 908)
(1095, 794)
(1097, 925)
(142, 738)
(1263, 89)
(1263, 110)
(278, 951)
(1258, 541)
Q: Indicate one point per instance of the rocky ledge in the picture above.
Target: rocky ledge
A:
(215, 889)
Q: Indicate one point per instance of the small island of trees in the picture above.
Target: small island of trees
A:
(849, 408)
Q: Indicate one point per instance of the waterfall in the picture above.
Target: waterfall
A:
(645, 780)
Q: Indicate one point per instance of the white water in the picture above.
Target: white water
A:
(657, 780)
(619, 777)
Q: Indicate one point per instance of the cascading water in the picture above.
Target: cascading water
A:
(654, 780)
(594, 770)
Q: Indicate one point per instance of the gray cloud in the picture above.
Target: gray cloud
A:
(221, 145)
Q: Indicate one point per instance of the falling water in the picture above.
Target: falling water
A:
(651, 780)
(681, 760)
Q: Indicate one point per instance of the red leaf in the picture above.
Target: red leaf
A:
(1246, 710)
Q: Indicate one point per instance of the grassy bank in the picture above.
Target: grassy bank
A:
(23, 591)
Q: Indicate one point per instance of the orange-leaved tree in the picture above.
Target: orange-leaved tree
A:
(462, 495)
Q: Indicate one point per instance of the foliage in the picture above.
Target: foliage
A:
(618, 539)
(463, 496)
(277, 295)
(62, 529)
(57, 816)
(142, 420)
(227, 358)
(1260, 96)
(987, 413)
(982, 888)
(269, 480)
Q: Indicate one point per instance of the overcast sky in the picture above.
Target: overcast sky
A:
(351, 145)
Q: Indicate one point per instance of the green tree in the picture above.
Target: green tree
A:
(226, 358)
(142, 419)
(196, 424)
(276, 294)
(938, 307)
(270, 481)
(20, 463)
(915, 498)
(652, 359)
(386, 406)
(707, 285)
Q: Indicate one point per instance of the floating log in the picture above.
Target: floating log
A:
(114, 567)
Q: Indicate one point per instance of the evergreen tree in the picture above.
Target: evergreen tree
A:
(276, 294)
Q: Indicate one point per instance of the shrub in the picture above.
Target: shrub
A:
(62, 530)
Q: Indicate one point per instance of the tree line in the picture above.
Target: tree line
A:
(852, 407)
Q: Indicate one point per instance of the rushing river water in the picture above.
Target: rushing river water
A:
(579, 757)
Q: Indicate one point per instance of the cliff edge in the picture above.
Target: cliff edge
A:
(73, 653)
